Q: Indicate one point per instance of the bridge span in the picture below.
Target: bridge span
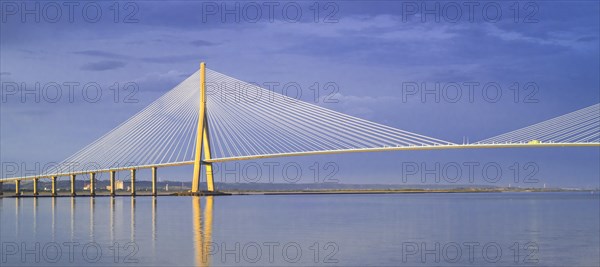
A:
(194, 125)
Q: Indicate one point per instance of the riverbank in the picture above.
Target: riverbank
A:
(303, 192)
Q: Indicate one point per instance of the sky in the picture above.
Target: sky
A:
(542, 57)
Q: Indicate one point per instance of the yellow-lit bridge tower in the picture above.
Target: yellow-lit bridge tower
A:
(202, 140)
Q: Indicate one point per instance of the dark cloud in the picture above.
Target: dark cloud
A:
(32, 52)
(202, 43)
(103, 65)
(99, 53)
(171, 59)
(586, 39)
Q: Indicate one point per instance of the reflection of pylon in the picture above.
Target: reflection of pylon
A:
(202, 139)
(202, 232)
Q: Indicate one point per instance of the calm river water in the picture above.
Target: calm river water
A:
(474, 229)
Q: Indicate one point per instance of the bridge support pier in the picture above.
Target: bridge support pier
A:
(17, 187)
(112, 183)
(35, 187)
(92, 184)
(53, 185)
(133, 182)
(202, 140)
(210, 184)
(73, 191)
(154, 170)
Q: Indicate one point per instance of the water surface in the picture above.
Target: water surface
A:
(475, 229)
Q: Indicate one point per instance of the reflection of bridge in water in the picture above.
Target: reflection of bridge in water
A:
(202, 217)
(203, 230)
(200, 123)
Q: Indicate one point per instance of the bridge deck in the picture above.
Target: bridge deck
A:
(324, 152)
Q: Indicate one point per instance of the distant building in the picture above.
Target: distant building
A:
(119, 185)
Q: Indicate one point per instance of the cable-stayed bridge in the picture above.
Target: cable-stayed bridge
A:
(211, 117)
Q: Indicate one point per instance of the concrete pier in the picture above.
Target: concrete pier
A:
(112, 183)
(53, 185)
(92, 184)
(35, 187)
(133, 182)
(73, 191)
(154, 181)
(94, 189)
(17, 187)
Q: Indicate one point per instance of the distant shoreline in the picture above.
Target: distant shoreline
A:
(310, 192)
(398, 191)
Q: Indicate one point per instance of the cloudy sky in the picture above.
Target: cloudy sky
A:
(542, 55)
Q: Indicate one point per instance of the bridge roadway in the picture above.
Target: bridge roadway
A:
(154, 168)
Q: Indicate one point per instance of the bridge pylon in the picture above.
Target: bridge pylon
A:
(202, 140)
